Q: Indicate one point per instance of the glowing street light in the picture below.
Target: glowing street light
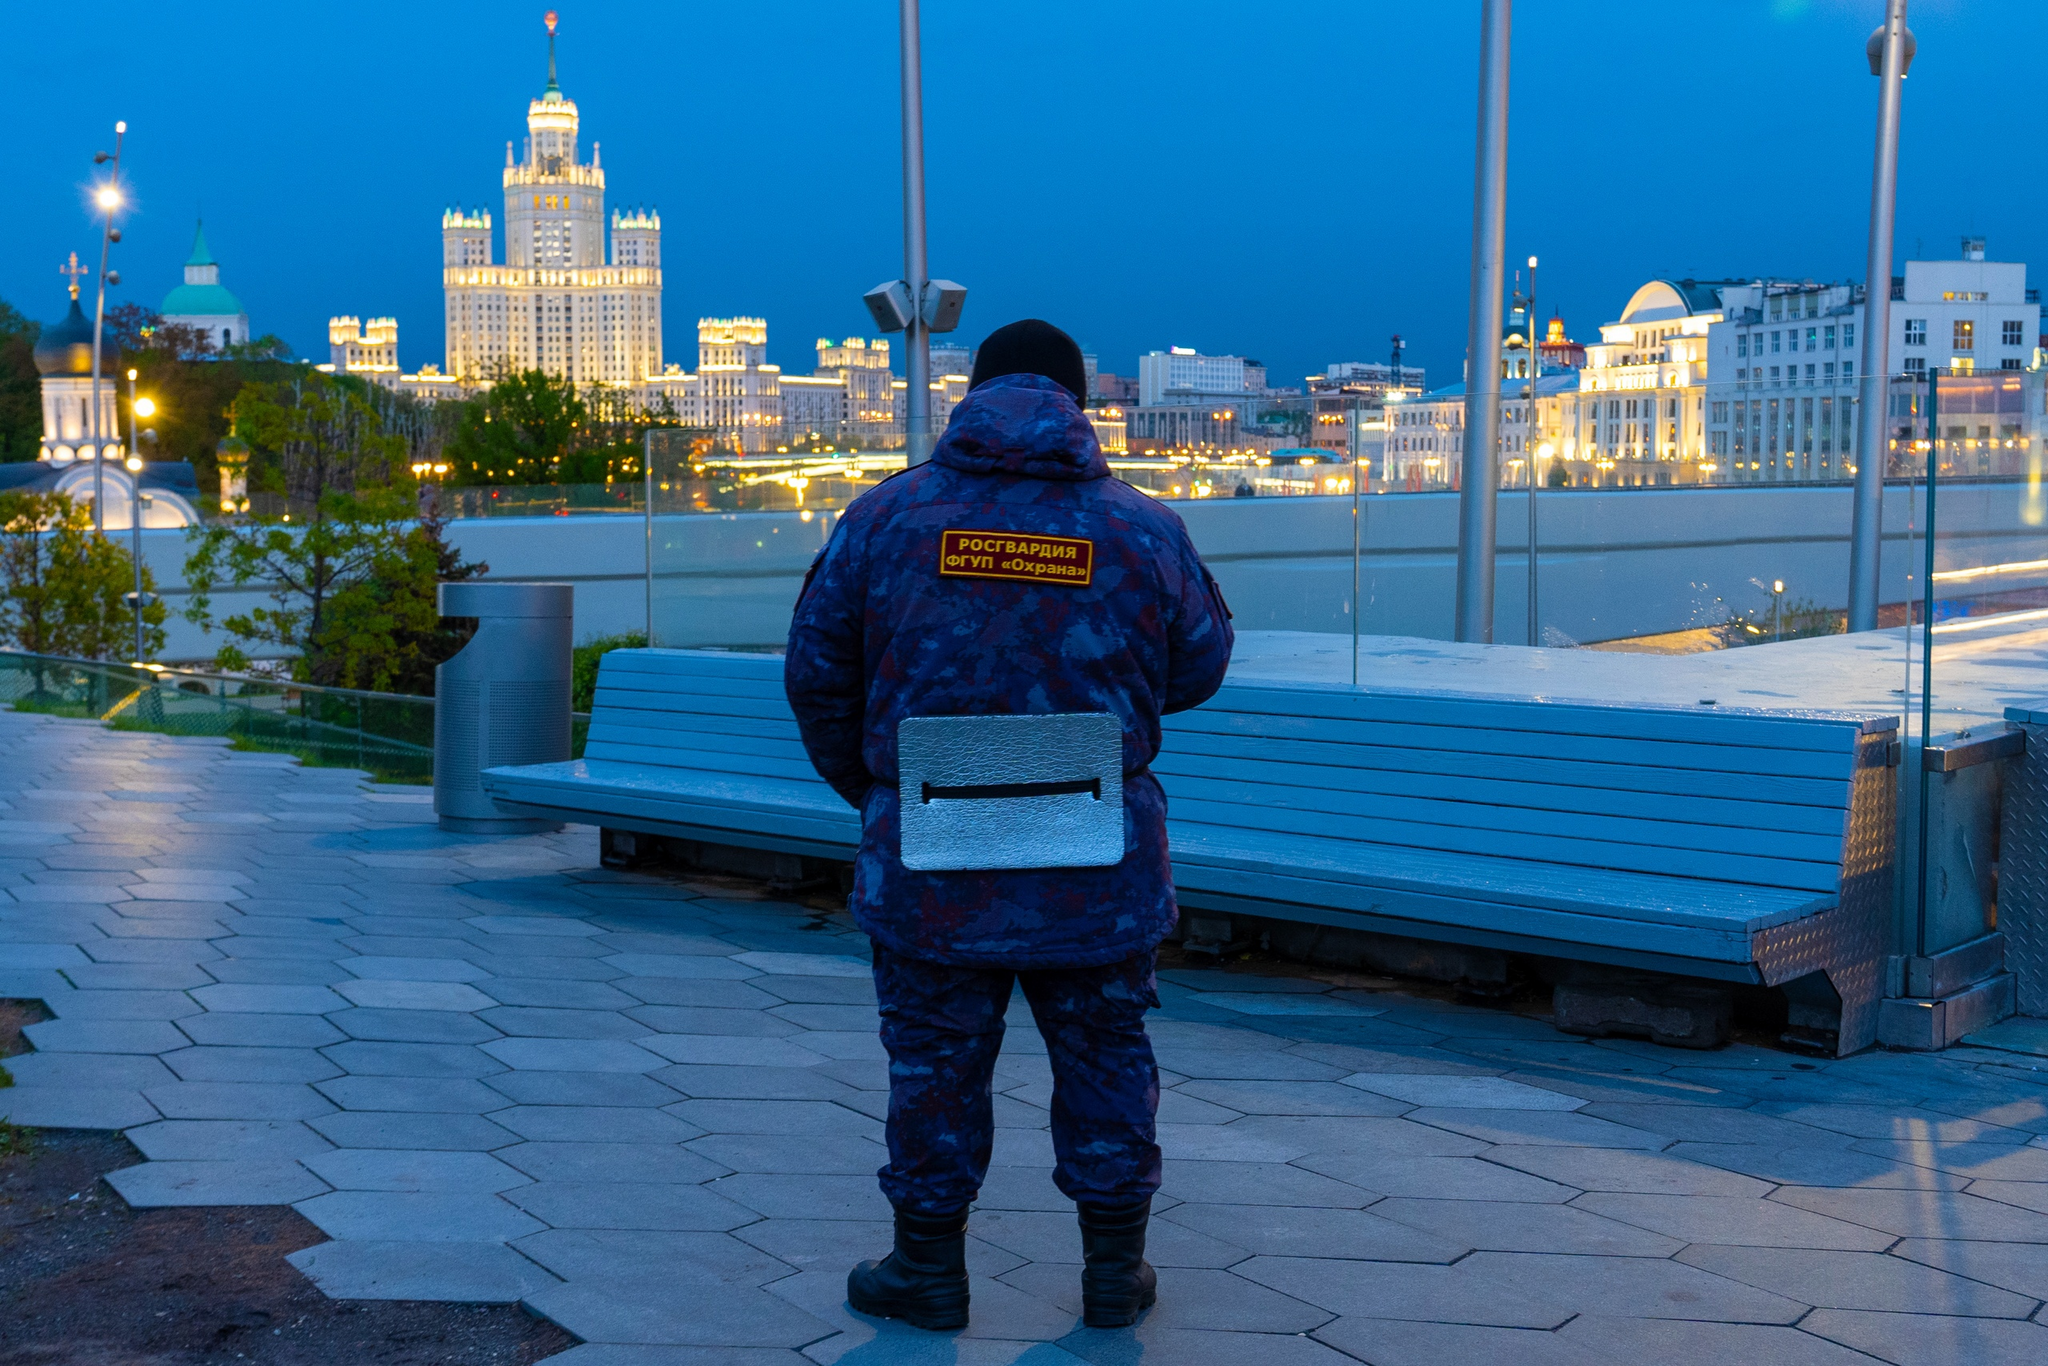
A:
(109, 199)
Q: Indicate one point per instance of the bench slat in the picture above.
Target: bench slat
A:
(1186, 747)
(1338, 784)
(1513, 844)
(1586, 749)
(695, 663)
(1636, 896)
(1425, 908)
(1650, 831)
(640, 729)
(739, 805)
(706, 758)
(689, 687)
(1830, 732)
(764, 708)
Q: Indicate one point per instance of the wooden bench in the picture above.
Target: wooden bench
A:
(1739, 846)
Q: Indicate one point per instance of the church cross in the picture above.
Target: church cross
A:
(74, 270)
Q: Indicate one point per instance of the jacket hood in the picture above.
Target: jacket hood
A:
(1021, 424)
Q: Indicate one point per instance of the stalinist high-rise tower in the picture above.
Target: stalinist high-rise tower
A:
(554, 304)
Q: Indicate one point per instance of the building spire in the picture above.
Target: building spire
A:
(74, 270)
(554, 90)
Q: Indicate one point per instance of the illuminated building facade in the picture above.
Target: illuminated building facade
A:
(1636, 415)
(1785, 389)
(755, 408)
(1425, 434)
(554, 304)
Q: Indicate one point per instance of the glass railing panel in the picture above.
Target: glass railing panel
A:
(387, 735)
(1980, 626)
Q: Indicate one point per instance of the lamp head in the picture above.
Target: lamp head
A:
(1874, 49)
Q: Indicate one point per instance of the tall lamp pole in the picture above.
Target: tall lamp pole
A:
(917, 359)
(1890, 50)
(1476, 507)
(109, 199)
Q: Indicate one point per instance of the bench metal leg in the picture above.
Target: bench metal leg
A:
(1847, 945)
(623, 848)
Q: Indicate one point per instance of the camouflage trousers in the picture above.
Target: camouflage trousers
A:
(943, 1027)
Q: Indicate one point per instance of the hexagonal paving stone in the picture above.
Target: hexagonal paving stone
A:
(252, 1181)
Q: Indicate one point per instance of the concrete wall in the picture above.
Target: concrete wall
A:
(1613, 562)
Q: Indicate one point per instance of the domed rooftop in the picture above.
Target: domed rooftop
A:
(202, 295)
(65, 348)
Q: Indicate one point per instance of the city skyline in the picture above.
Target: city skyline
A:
(1269, 226)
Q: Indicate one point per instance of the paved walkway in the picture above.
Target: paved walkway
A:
(489, 1070)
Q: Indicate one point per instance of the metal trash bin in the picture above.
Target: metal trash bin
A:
(503, 699)
(2023, 860)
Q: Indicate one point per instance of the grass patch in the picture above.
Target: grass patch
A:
(53, 706)
(15, 1140)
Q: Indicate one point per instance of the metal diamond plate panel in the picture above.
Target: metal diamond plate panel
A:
(2023, 871)
(1849, 942)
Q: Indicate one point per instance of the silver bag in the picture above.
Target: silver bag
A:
(1011, 791)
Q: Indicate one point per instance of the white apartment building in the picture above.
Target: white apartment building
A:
(1183, 375)
(1784, 362)
(1425, 434)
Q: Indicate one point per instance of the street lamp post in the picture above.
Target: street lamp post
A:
(916, 305)
(1890, 50)
(109, 199)
(1477, 513)
(917, 357)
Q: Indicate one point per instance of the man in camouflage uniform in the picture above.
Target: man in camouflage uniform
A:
(880, 635)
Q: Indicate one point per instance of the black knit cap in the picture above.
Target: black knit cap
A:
(1032, 347)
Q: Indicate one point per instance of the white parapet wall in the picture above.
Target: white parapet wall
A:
(1614, 563)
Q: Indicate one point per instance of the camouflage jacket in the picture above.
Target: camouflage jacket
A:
(880, 634)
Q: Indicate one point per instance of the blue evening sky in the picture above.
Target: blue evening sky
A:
(1288, 180)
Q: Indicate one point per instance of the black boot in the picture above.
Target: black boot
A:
(1117, 1284)
(924, 1281)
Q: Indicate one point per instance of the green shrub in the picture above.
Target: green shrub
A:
(583, 687)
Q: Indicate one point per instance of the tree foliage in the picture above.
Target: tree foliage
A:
(534, 428)
(63, 588)
(352, 596)
(21, 393)
(194, 384)
(317, 434)
(519, 432)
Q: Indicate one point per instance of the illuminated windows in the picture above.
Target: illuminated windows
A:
(1964, 334)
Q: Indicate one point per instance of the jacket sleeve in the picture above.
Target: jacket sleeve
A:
(824, 672)
(1199, 636)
